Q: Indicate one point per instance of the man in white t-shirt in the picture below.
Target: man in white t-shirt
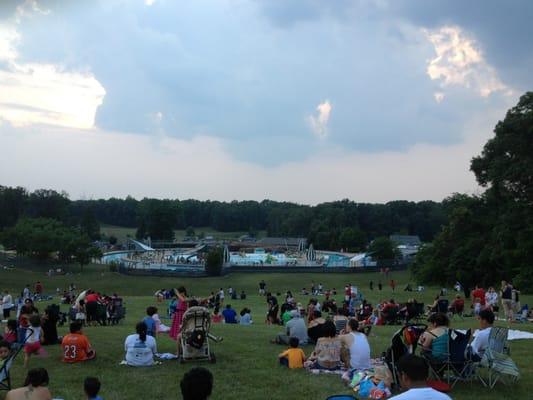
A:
(481, 340)
(357, 345)
(7, 304)
(413, 375)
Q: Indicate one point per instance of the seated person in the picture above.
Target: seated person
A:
(10, 332)
(34, 387)
(76, 346)
(414, 372)
(246, 316)
(286, 316)
(5, 351)
(315, 327)
(243, 295)
(327, 353)
(458, 305)
(434, 341)
(230, 316)
(150, 321)
(294, 328)
(481, 340)
(197, 384)
(357, 345)
(140, 347)
(216, 317)
(91, 387)
(293, 357)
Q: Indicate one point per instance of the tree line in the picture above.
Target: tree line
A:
(489, 237)
(341, 224)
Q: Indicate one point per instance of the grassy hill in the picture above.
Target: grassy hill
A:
(246, 361)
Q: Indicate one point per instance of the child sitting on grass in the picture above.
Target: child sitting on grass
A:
(91, 387)
(33, 339)
(4, 351)
(150, 321)
(10, 333)
(293, 357)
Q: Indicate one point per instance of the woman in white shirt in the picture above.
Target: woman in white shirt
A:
(7, 304)
(140, 347)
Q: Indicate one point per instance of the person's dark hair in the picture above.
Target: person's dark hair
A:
(193, 303)
(353, 324)
(228, 306)
(317, 314)
(12, 324)
(329, 329)
(182, 290)
(216, 310)
(75, 327)
(37, 377)
(244, 311)
(91, 386)
(439, 319)
(3, 343)
(487, 315)
(151, 310)
(35, 321)
(197, 384)
(294, 342)
(141, 328)
(415, 367)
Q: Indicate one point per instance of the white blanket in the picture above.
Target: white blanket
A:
(514, 334)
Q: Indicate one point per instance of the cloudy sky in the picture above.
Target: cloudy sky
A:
(300, 100)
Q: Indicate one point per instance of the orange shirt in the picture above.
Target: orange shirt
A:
(296, 357)
(75, 347)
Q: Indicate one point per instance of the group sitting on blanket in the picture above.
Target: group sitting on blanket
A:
(332, 351)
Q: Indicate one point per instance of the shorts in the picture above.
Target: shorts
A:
(31, 348)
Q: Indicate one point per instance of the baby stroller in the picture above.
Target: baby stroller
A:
(404, 341)
(195, 334)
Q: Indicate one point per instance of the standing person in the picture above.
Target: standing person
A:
(414, 373)
(491, 299)
(35, 387)
(262, 286)
(7, 304)
(181, 307)
(38, 288)
(26, 293)
(515, 297)
(392, 284)
(371, 285)
(32, 344)
(506, 295)
(273, 308)
(347, 292)
(140, 347)
(221, 296)
(91, 306)
(380, 286)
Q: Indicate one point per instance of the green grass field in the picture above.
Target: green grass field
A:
(122, 233)
(246, 361)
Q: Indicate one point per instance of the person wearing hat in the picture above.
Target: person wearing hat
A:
(294, 328)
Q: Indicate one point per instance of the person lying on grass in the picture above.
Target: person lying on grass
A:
(34, 387)
(76, 346)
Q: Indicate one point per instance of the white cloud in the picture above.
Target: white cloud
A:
(38, 93)
(149, 2)
(459, 61)
(439, 96)
(319, 123)
(209, 172)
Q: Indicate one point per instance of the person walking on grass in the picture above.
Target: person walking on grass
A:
(33, 339)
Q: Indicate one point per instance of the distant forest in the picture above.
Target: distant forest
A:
(340, 224)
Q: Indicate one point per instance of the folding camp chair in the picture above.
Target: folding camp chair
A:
(458, 364)
(497, 360)
(5, 377)
(442, 306)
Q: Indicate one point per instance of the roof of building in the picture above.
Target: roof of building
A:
(408, 240)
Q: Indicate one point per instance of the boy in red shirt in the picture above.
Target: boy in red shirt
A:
(76, 346)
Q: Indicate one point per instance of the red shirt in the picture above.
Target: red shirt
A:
(479, 294)
(90, 298)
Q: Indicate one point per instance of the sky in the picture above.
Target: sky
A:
(301, 100)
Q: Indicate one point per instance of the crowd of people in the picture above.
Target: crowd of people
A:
(337, 330)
